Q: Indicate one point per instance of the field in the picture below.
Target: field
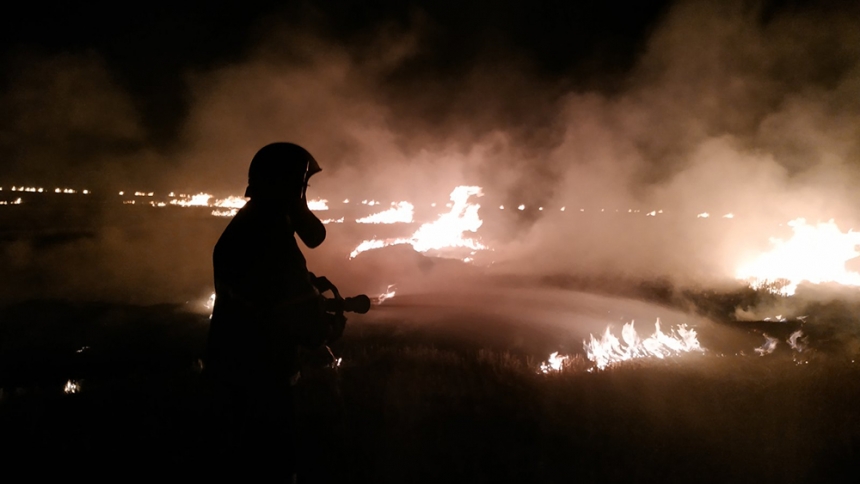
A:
(439, 384)
(419, 402)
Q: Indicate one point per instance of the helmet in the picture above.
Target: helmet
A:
(280, 170)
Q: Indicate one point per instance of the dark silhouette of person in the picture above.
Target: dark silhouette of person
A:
(267, 304)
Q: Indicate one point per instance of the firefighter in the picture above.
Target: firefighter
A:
(267, 305)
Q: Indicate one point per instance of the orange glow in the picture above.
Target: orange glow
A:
(376, 244)
(400, 212)
(448, 230)
(230, 202)
(199, 200)
(318, 205)
(555, 363)
(225, 213)
(815, 253)
(445, 233)
(389, 293)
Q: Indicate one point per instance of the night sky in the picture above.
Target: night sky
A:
(148, 50)
(507, 95)
(724, 107)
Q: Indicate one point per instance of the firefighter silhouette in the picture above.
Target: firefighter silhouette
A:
(267, 306)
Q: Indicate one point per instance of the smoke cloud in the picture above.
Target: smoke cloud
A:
(729, 107)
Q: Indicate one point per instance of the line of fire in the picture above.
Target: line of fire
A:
(814, 253)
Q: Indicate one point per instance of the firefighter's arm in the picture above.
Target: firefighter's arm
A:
(323, 284)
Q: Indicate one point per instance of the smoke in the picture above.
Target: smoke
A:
(724, 113)
(728, 107)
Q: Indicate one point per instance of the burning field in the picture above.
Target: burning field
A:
(500, 375)
(604, 243)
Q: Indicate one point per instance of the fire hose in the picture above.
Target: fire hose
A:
(334, 308)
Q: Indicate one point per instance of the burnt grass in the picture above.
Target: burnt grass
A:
(408, 406)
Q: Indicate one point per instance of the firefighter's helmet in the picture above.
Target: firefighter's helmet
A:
(280, 170)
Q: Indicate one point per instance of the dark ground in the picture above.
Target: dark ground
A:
(411, 405)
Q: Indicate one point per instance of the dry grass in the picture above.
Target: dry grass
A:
(405, 408)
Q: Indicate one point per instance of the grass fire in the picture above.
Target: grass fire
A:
(602, 242)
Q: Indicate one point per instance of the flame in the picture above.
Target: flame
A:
(318, 205)
(71, 387)
(768, 347)
(445, 232)
(797, 341)
(210, 303)
(448, 230)
(555, 362)
(230, 205)
(231, 202)
(376, 244)
(609, 350)
(815, 253)
(388, 294)
(199, 200)
(400, 212)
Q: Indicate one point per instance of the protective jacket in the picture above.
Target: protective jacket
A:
(265, 304)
